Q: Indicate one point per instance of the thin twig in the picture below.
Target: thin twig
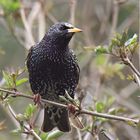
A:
(18, 94)
(79, 134)
(28, 33)
(12, 111)
(135, 71)
(52, 18)
(137, 79)
(107, 116)
(130, 64)
(72, 10)
(81, 111)
(72, 15)
(114, 18)
(31, 131)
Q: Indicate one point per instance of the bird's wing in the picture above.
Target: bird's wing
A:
(76, 64)
(29, 54)
(31, 63)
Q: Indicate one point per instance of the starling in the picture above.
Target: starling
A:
(53, 69)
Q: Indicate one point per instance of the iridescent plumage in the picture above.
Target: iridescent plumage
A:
(53, 69)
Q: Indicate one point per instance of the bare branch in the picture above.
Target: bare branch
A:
(79, 111)
(107, 116)
(130, 64)
(72, 15)
(133, 68)
(114, 18)
(18, 94)
(30, 131)
(28, 32)
(72, 10)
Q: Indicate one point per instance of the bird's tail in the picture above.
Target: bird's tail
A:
(56, 117)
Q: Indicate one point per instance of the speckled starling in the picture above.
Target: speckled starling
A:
(53, 69)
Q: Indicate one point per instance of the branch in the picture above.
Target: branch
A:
(30, 131)
(73, 4)
(130, 64)
(79, 111)
(18, 94)
(137, 79)
(107, 116)
(133, 68)
(28, 34)
(72, 11)
(114, 18)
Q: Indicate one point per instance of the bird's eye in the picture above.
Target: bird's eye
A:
(64, 27)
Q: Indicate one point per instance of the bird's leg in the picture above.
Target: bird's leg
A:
(71, 108)
(37, 99)
(74, 116)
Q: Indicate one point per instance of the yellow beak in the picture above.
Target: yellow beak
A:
(74, 30)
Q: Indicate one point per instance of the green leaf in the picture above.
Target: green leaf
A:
(118, 36)
(99, 107)
(110, 49)
(54, 135)
(131, 123)
(118, 41)
(115, 110)
(16, 131)
(63, 99)
(30, 109)
(21, 81)
(101, 50)
(11, 78)
(10, 6)
(20, 117)
(43, 136)
(8, 79)
(123, 38)
(130, 77)
(132, 40)
(120, 110)
(112, 111)
(115, 42)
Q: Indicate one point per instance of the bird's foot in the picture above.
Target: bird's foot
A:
(37, 99)
(74, 116)
(71, 108)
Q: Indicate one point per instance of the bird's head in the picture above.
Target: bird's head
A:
(61, 33)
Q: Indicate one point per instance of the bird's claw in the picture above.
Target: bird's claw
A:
(37, 99)
(71, 108)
